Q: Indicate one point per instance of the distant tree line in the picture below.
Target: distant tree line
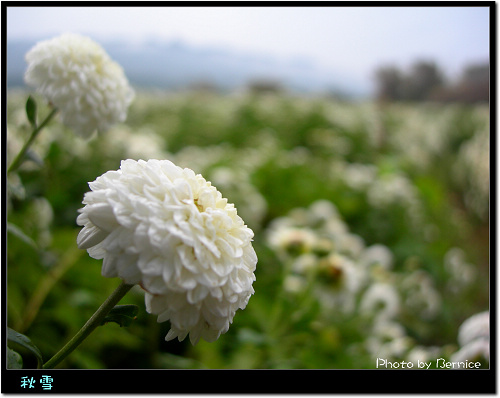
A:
(426, 82)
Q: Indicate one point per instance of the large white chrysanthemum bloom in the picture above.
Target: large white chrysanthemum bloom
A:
(78, 77)
(169, 230)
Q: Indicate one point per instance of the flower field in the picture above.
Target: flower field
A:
(370, 222)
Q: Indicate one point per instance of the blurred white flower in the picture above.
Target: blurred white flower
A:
(392, 189)
(472, 169)
(476, 349)
(127, 143)
(388, 340)
(388, 330)
(322, 210)
(78, 77)
(475, 327)
(252, 206)
(290, 239)
(474, 338)
(462, 273)
(341, 272)
(304, 263)
(350, 244)
(423, 354)
(381, 300)
(341, 280)
(171, 231)
(421, 296)
(377, 254)
(294, 284)
(359, 176)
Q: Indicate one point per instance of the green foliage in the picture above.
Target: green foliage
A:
(122, 315)
(19, 342)
(14, 360)
(408, 177)
(31, 111)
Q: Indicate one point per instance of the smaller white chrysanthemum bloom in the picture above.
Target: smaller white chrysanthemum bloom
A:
(169, 230)
(78, 77)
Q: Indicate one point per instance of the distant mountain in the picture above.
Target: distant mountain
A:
(175, 65)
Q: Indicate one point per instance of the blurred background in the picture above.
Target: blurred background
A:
(343, 51)
(354, 141)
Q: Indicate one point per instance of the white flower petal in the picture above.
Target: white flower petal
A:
(90, 236)
(101, 215)
(109, 267)
(197, 294)
(171, 335)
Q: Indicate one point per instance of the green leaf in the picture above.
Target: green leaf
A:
(20, 342)
(14, 360)
(31, 110)
(123, 315)
(16, 231)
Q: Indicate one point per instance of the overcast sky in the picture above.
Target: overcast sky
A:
(352, 39)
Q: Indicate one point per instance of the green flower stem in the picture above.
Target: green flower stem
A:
(20, 157)
(94, 321)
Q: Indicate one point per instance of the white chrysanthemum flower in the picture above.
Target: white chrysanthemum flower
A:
(78, 77)
(171, 231)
